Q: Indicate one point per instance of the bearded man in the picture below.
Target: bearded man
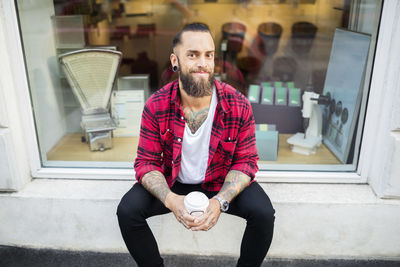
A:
(197, 134)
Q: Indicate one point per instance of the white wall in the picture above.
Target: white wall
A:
(381, 140)
(14, 164)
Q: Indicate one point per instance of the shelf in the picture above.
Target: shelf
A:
(70, 148)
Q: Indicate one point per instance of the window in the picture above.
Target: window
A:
(285, 56)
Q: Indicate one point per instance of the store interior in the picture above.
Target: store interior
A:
(272, 51)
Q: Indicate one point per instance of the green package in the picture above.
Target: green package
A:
(254, 93)
(294, 96)
(280, 97)
(267, 95)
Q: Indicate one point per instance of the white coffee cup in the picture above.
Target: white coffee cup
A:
(196, 203)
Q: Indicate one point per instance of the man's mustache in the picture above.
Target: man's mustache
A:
(200, 70)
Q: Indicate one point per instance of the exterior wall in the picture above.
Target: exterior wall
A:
(312, 220)
(381, 140)
(14, 167)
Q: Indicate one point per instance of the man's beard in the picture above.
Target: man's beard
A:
(199, 87)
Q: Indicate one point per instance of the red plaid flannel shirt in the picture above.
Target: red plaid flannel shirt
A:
(232, 143)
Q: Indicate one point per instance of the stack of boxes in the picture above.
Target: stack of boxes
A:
(272, 93)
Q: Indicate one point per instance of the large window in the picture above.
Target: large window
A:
(305, 66)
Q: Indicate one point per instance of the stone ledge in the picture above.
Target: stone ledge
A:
(312, 220)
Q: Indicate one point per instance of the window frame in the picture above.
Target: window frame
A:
(14, 42)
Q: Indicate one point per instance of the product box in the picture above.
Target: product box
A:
(267, 141)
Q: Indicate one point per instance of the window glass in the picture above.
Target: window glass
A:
(305, 66)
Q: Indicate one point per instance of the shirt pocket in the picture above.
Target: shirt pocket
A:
(167, 138)
(227, 150)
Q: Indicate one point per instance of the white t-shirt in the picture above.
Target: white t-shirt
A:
(195, 149)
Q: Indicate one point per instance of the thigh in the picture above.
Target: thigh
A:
(252, 200)
(138, 201)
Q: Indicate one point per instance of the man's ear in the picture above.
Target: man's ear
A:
(174, 59)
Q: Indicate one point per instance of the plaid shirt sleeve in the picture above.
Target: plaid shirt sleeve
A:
(150, 144)
(245, 156)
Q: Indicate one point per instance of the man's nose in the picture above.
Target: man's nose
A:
(201, 62)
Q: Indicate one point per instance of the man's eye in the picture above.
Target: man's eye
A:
(191, 55)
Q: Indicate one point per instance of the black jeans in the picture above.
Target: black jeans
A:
(252, 204)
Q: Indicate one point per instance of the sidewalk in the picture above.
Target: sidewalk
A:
(25, 257)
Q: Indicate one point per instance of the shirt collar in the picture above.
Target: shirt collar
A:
(220, 94)
(174, 92)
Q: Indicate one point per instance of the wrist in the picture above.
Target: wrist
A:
(216, 203)
(169, 199)
(224, 204)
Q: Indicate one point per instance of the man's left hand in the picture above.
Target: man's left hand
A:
(210, 217)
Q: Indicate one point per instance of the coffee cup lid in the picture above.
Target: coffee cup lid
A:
(196, 200)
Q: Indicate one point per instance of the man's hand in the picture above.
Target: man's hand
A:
(235, 182)
(210, 217)
(155, 183)
(175, 203)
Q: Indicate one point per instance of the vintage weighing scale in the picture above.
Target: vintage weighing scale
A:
(91, 74)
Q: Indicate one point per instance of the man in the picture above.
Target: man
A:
(197, 134)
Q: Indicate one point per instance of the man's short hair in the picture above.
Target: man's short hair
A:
(192, 27)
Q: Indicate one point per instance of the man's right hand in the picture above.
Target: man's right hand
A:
(155, 183)
(175, 203)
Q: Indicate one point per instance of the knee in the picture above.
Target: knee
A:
(127, 210)
(264, 217)
(122, 209)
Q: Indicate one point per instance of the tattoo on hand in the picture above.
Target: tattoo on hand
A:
(235, 182)
(182, 219)
(155, 183)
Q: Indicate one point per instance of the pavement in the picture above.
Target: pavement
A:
(29, 257)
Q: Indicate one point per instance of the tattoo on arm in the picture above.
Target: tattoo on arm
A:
(155, 183)
(235, 182)
(195, 119)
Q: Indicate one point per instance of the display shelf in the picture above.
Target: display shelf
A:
(70, 148)
(286, 156)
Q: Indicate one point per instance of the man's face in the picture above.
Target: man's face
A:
(195, 58)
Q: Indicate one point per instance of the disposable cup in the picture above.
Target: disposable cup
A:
(196, 203)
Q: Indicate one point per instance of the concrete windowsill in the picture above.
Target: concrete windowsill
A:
(278, 192)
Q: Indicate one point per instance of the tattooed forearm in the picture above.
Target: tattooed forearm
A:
(155, 183)
(235, 182)
(195, 119)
